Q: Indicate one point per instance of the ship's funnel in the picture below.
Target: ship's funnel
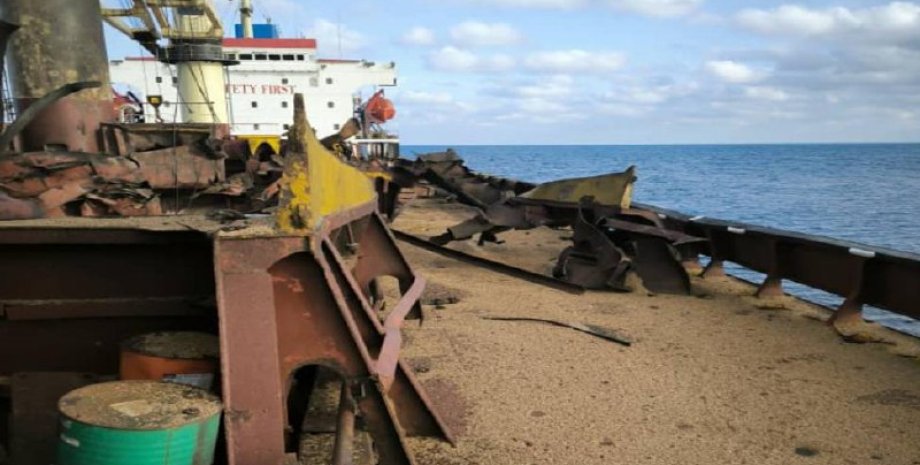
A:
(60, 42)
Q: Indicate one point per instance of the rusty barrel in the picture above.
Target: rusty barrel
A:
(178, 356)
(138, 423)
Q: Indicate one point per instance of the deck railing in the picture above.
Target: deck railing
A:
(861, 274)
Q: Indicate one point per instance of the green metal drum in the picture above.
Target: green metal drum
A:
(138, 423)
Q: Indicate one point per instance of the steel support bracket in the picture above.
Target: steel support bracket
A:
(287, 302)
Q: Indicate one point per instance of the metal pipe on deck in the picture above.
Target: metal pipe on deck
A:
(343, 449)
(60, 42)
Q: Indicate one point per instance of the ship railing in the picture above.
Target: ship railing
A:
(861, 274)
(376, 148)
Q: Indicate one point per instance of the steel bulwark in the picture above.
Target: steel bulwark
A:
(861, 274)
(67, 299)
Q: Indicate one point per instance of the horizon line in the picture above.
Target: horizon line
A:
(655, 144)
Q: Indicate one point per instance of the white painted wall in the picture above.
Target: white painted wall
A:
(328, 88)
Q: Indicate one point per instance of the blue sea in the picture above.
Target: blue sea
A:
(868, 193)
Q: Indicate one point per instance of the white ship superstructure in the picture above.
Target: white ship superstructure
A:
(260, 89)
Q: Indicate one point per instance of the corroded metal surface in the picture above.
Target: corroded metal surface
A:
(316, 183)
(606, 246)
(55, 184)
(499, 267)
(48, 53)
(291, 300)
(296, 291)
(284, 303)
(609, 239)
(68, 299)
(37, 108)
(287, 303)
(35, 413)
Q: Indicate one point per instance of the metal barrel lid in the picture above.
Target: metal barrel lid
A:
(139, 405)
(175, 344)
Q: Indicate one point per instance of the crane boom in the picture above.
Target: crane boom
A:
(194, 32)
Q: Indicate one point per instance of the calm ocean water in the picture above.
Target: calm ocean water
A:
(867, 193)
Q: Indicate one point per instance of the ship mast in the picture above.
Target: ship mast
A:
(246, 17)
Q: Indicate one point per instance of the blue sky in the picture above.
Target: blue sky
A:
(626, 71)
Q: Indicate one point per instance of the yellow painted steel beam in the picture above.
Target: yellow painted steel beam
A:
(613, 189)
(254, 141)
(315, 182)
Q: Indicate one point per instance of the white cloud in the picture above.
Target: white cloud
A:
(663, 8)
(499, 62)
(575, 61)
(418, 36)
(535, 111)
(548, 4)
(649, 93)
(788, 19)
(848, 56)
(622, 110)
(332, 38)
(766, 93)
(557, 86)
(453, 59)
(541, 105)
(456, 59)
(892, 21)
(476, 33)
(426, 98)
(731, 71)
(659, 8)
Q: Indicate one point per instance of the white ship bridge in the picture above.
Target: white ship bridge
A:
(260, 89)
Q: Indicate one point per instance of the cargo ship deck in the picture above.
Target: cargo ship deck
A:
(717, 377)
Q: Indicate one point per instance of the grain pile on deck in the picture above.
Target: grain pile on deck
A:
(720, 377)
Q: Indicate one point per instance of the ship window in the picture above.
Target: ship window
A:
(255, 126)
(284, 80)
(336, 126)
(287, 57)
(314, 82)
(261, 56)
(284, 104)
(299, 57)
(175, 80)
(287, 126)
(331, 104)
(245, 56)
(255, 104)
(159, 80)
(328, 80)
(274, 57)
(231, 56)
